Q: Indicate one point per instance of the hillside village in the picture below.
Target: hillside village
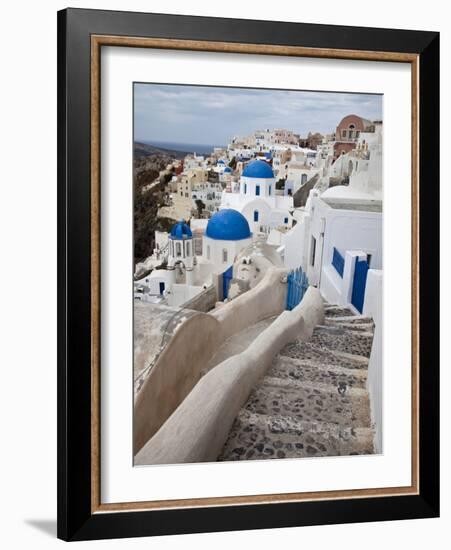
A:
(258, 308)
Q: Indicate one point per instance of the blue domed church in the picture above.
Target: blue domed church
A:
(227, 233)
(257, 199)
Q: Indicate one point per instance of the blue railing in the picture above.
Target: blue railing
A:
(338, 262)
(297, 285)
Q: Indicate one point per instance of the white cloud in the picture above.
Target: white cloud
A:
(212, 115)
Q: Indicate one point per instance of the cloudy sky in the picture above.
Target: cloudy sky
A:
(212, 115)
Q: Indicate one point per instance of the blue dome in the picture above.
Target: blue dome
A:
(258, 169)
(227, 170)
(228, 225)
(181, 230)
(220, 161)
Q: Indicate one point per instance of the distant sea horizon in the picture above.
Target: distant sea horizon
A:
(198, 148)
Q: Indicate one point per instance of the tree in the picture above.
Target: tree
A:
(232, 163)
(200, 205)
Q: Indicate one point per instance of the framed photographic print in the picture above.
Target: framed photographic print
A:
(248, 274)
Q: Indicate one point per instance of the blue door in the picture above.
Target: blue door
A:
(358, 287)
(297, 285)
(226, 276)
(161, 288)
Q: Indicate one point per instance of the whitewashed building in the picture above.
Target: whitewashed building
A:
(226, 235)
(257, 199)
(338, 235)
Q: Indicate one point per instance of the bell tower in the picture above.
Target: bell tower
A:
(181, 250)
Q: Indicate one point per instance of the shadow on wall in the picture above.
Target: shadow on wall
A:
(180, 366)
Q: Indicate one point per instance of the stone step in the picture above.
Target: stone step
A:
(357, 327)
(343, 339)
(313, 371)
(257, 436)
(310, 402)
(318, 353)
(295, 385)
(347, 320)
(337, 311)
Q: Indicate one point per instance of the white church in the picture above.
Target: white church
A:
(257, 199)
(186, 275)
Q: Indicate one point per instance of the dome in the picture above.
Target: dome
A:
(258, 169)
(228, 225)
(227, 170)
(181, 230)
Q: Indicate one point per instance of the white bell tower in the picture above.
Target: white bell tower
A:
(181, 251)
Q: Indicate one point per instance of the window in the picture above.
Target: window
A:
(257, 190)
(285, 220)
(343, 133)
(312, 251)
(187, 249)
(303, 179)
(208, 252)
(245, 188)
(224, 255)
(255, 215)
(270, 190)
(178, 249)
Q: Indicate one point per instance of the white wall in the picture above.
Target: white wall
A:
(28, 503)
(180, 294)
(346, 231)
(216, 248)
(296, 246)
(372, 307)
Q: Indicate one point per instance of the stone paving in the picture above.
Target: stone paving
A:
(343, 339)
(313, 401)
(312, 371)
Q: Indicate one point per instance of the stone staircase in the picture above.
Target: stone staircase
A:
(313, 400)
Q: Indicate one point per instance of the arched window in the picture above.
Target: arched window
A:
(257, 190)
(245, 188)
(255, 215)
(270, 190)
(224, 255)
(178, 249)
(187, 248)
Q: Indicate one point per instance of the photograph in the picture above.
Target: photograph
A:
(257, 273)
